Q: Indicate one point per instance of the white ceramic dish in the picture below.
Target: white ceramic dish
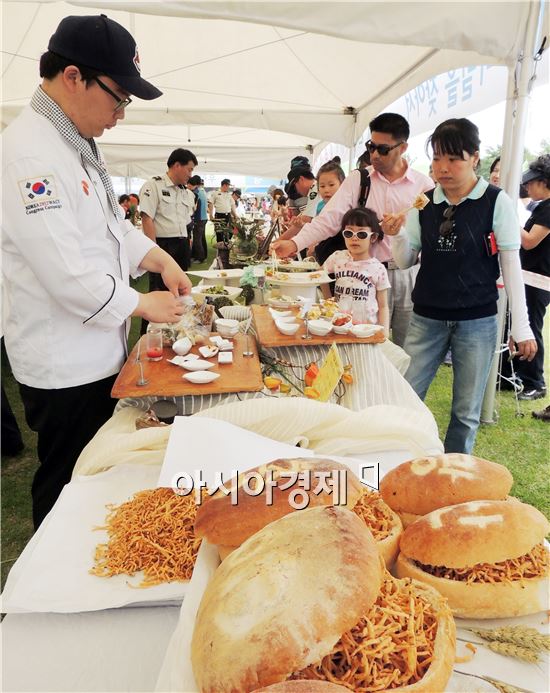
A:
(182, 360)
(287, 327)
(227, 327)
(342, 329)
(276, 314)
(365, 330)
(289, 302)
(201, 377)
(289, 319)
(208, 351)
(182, 346)
(202, 289)
(198, 365)
(225, 357)
(319, 328)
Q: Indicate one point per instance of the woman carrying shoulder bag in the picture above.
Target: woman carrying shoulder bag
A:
(467, 227)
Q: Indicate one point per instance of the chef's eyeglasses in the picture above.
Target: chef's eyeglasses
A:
(121, 103)
(448, 223)
(361, 235)
(382, 149)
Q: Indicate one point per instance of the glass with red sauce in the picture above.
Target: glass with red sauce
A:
(154, 344)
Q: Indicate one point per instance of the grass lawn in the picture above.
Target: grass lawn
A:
(522, 444)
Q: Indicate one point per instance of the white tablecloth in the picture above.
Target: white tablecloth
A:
(113, 650)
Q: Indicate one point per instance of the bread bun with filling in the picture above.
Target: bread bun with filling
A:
(228, 524)
(486, 557)
(419, 486)
(282, 602)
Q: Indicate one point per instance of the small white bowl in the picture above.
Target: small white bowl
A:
(275, 314)
(201, 377)
(198, 365)
(320, 328)
(227, 327)
(287, 327)
(208, 351)
(182, 346)
(342, 329)
(288, 320)
(363, 330)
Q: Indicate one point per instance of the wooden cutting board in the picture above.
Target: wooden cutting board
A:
(269, 335)
(165, 379)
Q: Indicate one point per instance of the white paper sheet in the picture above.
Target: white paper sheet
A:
(212, 446)
(52, 573)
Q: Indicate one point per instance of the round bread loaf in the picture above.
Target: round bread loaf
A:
(303, 687)
(419, 486)
(281, 600)
(461, 536)
(226, 523)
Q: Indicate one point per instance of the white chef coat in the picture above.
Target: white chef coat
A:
(169, 205)
(66, 259)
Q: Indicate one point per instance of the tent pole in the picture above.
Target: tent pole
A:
(351, 163)
(513, 161)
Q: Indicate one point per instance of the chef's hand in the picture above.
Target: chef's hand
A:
(526, 350)
(159, 306)
(175, 279)
(284, 248)
(392, 223)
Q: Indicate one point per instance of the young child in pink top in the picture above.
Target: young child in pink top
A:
(361, 281)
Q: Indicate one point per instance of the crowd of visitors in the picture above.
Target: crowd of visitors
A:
(427, 273)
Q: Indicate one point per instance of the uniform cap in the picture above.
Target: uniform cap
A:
(102, 44)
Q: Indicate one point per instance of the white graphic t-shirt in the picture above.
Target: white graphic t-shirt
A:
(358, 280)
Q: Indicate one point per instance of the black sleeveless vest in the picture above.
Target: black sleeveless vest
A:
(457, 276)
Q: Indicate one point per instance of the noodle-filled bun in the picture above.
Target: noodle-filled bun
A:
(441, 668)
(419, 486)
(384, 524)
(404, 643)
(282, 599)
(486, 557)
(228, 524)
(304, 687)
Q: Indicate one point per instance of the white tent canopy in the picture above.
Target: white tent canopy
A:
(247, 86)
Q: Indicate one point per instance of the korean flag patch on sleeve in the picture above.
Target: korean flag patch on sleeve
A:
(39, 194)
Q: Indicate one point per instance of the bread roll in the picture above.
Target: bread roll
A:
(455, 549)
(419, 486)
(460, 536)
(281, 600)
(225, 523)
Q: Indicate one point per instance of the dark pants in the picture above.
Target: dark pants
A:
(199, 249)
(532, 372)
(65, 420)
(179, 249)
(12, 442)
(220, 236)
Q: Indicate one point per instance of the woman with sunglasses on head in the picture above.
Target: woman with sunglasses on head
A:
(463, 232)
(361, 280)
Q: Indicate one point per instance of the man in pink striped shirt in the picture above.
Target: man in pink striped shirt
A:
(394, 186)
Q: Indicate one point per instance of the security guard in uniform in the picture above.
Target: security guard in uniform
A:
(223, 202)
(167, 210)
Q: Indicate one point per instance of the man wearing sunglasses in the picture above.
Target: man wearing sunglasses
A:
(394, 185)
(67, 252)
